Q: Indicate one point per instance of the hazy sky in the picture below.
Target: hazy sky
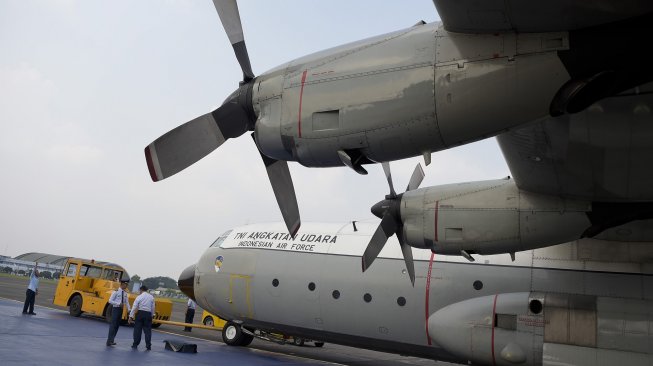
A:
(86, 85)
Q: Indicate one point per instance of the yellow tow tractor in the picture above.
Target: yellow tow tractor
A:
(86, 285)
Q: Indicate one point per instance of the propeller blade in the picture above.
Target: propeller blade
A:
(416, 178)
(182, 147)
(284, 191)
(408, 256)
(230, 17)
(386, 229)
(388, 176)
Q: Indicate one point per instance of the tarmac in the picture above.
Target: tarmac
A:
(52, 337)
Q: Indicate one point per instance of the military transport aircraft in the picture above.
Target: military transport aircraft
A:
(584, 303)
(563, 84)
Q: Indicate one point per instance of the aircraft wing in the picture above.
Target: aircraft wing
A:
(587, 155)
(488, 16)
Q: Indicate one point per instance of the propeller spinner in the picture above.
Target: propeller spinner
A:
(389, 211)
(190, 142)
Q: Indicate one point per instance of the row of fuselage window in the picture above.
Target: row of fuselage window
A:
(401, 301)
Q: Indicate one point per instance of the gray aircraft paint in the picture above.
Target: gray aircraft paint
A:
(619, 288)
(402, 94)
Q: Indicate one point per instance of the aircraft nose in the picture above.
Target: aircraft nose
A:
(186, 281)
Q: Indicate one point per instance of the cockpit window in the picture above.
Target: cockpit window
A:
(220, 239)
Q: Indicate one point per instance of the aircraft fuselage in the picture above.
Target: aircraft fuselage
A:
(563, 302)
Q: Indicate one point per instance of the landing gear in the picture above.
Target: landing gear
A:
(233, 335)
(299, 342)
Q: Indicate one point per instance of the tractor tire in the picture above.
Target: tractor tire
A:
(76, 305)
(208, 321)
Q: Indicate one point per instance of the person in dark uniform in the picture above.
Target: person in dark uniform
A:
(190, 314)
(32, 291)
(118, 299)
(144, 305)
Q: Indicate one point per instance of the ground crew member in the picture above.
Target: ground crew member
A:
(32, 291)
(144, 310)
(118, 299)
(190, 314)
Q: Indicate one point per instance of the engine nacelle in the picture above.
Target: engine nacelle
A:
(489, 217)
(403, 94)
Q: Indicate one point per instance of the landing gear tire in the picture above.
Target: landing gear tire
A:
(233, 335)
(319, 344)
(299, 342)
(76, 306)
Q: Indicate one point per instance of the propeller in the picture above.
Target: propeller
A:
(389, 211)
(185, 145)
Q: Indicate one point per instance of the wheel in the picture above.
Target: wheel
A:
(76, 306)
(319, 344)
(232, 335)
(298, 341)
(208, 321)
(107, 313)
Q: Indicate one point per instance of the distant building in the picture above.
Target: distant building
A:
(25, 262)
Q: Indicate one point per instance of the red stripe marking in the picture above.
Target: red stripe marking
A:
(428, 290)
(437, 203)
(301, 94)
(494, 317)
(150, 164)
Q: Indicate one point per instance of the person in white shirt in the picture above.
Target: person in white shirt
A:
(32, 291)
(117, 301)
(190, 314)
(144, 310)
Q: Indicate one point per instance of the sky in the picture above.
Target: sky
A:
(85, 85)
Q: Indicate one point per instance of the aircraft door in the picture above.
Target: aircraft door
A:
(239, 295)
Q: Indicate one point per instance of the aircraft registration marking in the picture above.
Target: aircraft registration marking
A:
(306, 242)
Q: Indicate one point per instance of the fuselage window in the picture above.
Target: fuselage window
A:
(336, 294)
(275, 282)
(367, 297)
(401, 301)
(311, 286)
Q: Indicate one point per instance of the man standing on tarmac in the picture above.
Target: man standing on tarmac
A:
(144, 309)
(32, 291)
(190, 314)
(118, 299)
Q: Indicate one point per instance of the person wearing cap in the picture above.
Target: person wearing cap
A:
(190, 314)
(32, 291)
(117, 301)
(144, 310)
